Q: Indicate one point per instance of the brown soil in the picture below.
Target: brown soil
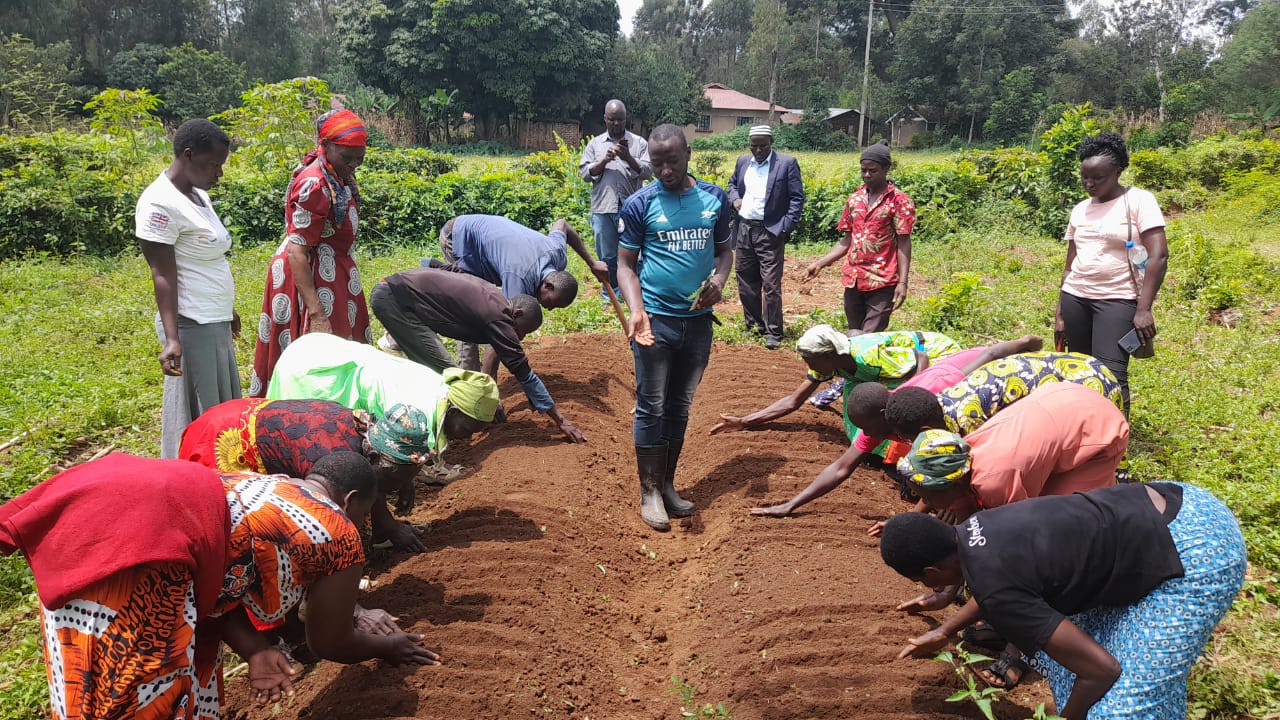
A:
(548, 597)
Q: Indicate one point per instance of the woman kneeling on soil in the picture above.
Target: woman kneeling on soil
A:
(890, 358)
(1120, 588)
(145, 566)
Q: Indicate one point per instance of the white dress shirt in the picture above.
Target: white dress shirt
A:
(755, 181)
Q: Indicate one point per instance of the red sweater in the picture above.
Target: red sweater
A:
(85, 524)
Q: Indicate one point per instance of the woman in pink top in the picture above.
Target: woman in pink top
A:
(1103, 295)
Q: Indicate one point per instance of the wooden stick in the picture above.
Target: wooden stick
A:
(15, 441)
(617, 308)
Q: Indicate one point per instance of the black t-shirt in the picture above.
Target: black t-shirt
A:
(462, 307)
(1029, 564)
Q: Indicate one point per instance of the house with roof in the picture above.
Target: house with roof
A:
(905, 124)
(729, 109)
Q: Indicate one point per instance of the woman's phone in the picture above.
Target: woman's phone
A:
(1130, 342)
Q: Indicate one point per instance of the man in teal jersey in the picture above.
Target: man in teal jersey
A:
(681, 227)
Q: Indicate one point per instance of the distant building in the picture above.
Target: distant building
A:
(843, 120)
(731, 109)
(905, 124)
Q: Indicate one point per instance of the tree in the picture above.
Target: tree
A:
(1247, 76)
(137, 67)
(275, 122)
(255, 39)
(1016, 109)
(655, 87)
(34, 90)
(951, 60)
(199, 83)
(525, 59)
(127, 114)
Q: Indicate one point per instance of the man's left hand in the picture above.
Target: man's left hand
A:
(711, 295)
(601, 270)
(899, 295)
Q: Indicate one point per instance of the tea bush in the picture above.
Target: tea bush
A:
(68, 193)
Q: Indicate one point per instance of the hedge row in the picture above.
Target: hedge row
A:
(63, 193)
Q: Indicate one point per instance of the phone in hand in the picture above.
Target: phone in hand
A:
(1130, 342)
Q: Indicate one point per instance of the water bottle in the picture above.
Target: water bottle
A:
(1137, 256)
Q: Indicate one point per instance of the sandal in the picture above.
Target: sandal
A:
(1006, 672)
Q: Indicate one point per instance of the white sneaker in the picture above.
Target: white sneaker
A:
(387, 344)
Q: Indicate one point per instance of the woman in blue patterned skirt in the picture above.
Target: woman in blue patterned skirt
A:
(1114, 592)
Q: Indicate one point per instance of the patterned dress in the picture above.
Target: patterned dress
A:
(967, 405)
(888, 358)
(1158, 639)
(276, 437)
(322, 214)
(125, 649)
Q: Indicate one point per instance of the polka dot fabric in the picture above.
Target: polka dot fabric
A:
(1159, 639)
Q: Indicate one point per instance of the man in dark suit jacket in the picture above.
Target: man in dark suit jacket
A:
(767, 193)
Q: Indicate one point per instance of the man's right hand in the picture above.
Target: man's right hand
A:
(171, 357)
(638, 329)
(773, 510)
(728, 423)
(812, 271)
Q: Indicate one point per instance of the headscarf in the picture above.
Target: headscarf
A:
(878, 153)
(341, 127)
(474, 393)
(403, 434)
(938, 459)
(822, 340)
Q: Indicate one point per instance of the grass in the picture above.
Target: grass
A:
(80, 375)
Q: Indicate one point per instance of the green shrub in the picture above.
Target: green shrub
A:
(956, 304)
(416, 161)
(945, 195)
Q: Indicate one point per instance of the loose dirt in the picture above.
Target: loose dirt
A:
(549, 598)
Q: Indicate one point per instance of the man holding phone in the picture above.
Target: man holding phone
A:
(681, 225)
(616, 163)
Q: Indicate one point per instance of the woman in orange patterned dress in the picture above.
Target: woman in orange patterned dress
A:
(313, 284)
(145, 566)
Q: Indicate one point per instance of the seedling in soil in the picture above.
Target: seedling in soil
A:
(690, 709)
(962, 661)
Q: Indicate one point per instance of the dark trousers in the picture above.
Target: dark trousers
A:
(868, 310)
(759, 271)
(1094, 327)
(419, 342)
(667, 374)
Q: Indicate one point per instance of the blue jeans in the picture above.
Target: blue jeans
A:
(604, 227)
(667, 374)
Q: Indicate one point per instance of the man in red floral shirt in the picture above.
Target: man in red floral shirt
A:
(876, 247)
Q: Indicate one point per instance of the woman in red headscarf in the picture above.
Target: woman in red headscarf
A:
(313, 284)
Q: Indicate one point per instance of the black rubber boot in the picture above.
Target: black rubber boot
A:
(676, 506)
(651, 461)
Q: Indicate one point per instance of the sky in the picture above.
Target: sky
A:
(628, 8)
